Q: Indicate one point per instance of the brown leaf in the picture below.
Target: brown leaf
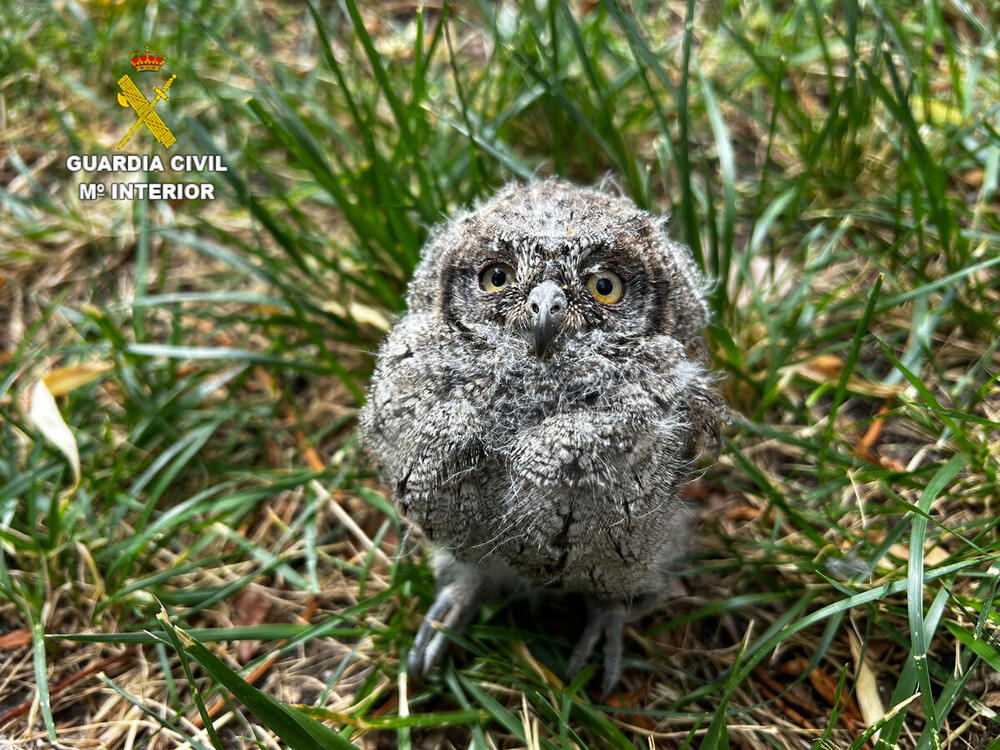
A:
(785, 699)
(250, 608)
(312, 457)
(634, 698)
(743, 513)
(867, 443)
(865, 446)
(828, 365)
(15, 639)
(825, 686)
(974, 177)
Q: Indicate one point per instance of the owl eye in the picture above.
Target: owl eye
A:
(606, 287)
(495, 277)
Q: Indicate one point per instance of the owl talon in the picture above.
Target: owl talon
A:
(612, 657)
(603, 623)
(454, 607)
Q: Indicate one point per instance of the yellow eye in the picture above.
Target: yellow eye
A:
(495, 277)
(606, 287)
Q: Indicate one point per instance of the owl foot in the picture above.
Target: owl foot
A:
(605, 621)
(454, 607)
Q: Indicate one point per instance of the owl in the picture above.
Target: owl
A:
(538, 407)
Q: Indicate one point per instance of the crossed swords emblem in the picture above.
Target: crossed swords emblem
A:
(130, 96)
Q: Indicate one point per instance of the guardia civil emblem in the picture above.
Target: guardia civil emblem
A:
(131, 96)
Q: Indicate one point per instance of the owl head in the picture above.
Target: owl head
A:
(547, 263)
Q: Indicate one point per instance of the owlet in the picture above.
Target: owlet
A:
(540, 404)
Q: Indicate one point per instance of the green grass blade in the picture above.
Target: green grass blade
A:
(295, 727)
(42, 678)
(915, 582)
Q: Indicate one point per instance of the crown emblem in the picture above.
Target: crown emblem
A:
(147, 60)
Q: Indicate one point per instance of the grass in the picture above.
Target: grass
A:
(226, 572)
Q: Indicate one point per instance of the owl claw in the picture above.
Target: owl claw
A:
(454, 607)
(604, 622)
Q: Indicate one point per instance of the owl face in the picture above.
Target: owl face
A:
(549, 289)
(550, 264)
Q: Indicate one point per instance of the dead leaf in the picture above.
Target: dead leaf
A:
(309, 453)
(62, 380)
(794, 706)
(250, 607)
(743, 513)
(933, 556)
(865, 686)
(828, 365)
(632, 700)
(826, 368)
(867, 443)
(974, 177)
(865, 448)
(826, 686)
(44, 415)
(361, 314)
(15, 639)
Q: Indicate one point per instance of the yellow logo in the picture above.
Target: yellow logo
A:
(130, 96)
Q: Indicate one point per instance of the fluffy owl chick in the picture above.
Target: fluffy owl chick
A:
(539, 405)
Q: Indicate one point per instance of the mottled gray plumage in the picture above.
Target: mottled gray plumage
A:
(537, 434)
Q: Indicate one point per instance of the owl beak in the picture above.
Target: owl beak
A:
(547, 303)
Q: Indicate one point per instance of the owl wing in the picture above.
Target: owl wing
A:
(424, 425)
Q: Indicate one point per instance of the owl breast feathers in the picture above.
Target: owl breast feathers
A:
(540, 403)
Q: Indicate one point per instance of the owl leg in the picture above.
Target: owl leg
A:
(454, 607)
(456, 603)
(605, 620)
